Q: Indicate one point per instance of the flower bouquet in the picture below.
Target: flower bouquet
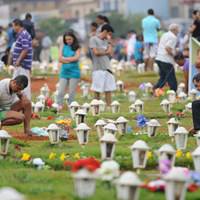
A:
(141, 123)
(64, 125)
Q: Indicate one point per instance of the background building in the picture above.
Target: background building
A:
(70, 9)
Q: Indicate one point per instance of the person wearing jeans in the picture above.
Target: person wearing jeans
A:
(165, 58)
(70, 71)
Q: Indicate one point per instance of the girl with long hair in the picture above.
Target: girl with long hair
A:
(70, 71)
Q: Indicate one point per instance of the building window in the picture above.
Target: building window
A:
(106, 5)
(174, 11)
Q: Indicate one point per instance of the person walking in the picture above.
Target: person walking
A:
(165, 58)
(150, 26)
(70, 71)
(22, 54)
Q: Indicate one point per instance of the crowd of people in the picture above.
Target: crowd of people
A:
(17, 47)
(157, 45)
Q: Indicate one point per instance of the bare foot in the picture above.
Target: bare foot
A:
(29, 133)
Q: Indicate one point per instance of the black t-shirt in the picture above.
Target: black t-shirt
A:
(196, 32)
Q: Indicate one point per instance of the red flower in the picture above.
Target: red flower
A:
(192, 187)
(48, 102)
(35, 116)
(90, 164)
(68, 163)
(180, 114)
(50, 118)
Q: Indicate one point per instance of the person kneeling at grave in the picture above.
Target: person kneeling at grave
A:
(196, 107)
(15, 108)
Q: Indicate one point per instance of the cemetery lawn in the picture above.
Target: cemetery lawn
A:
(55, 182)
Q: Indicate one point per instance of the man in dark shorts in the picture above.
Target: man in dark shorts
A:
(14, 107)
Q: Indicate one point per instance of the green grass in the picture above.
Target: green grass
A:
(56, 183)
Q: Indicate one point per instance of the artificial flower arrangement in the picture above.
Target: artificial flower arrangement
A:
(178, 115)
(109, 170)
(65, 122)
(64, 125)
(141, 123)
(91, 164)
(159, 92)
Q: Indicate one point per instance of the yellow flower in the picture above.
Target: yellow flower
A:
(52, 156)
(60, 122)
(66, 122)
(179, 153)
(77, 156)
(62, 157)
(188, 155)
(26, 157)
(149, 155)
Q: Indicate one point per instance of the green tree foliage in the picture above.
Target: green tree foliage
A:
(54, 27)
(122, 24)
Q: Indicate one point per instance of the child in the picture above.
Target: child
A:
(70, 71)
(138, 50)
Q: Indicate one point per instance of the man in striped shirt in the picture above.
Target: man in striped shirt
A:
(22, 54)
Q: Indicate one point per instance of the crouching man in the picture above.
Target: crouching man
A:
(14, 107)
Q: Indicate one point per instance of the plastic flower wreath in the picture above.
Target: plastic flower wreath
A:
(179, 153)
(66, 122)
(159, 92)
(90, 164)
(164, 166)
(142, 86)
(141, 121)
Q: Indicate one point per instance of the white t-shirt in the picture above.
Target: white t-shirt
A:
(6, 98)
(168, 39)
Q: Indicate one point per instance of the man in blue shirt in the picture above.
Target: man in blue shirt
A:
(150, 26)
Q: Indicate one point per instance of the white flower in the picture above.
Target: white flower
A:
(38, 162)
(109, 170)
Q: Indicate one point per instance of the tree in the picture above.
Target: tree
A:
(123, 24)
(54, 27)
